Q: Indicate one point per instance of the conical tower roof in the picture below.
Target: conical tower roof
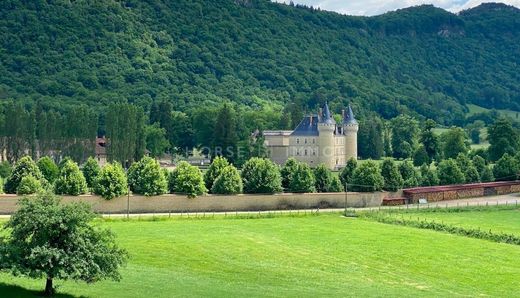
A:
(349, 117)
(327, 116)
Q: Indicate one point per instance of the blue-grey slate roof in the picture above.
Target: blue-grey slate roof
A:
(307, 127)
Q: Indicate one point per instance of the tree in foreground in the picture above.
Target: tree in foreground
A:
(111, 182)
(410, 175)
(90, 171)
(5, 169)
(335, 185)
(24, 167)
(323, 177)
(228, 182)
(467, 167)
(28, 186)
(186, 179)
(367, 177)
(261, 175)
(287, 171)
(49, 169)
(302, 179)
(393, 179)
(506, 168)
(428, 176)
(214, 170)
(487, 175)
(46, 239)
(346, 173)
(145, 177)
(450, 173)
(71, 180)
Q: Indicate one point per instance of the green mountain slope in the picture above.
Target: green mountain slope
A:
(421, 60)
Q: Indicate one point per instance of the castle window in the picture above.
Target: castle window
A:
(305, 141)
(297, 141)
(314, 141)
(314, 152)
(297, 152)
(305, 152)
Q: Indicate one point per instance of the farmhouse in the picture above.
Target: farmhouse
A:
(317, 139)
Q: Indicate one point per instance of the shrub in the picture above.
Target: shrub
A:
(71, 180)
(335, 185)
(428, 176)
(487, 175)
(48, 168)
(302, 179)
(228, 182)
(467, 167)
(346, 173)
(111, 182)
(1, 185)
(390, 172)
(287, 171)
(323, 178)
(480, 164)
(260, 175)
(450, 173)
(24, 167)
(29, 185)
(91, 170)
(186, 179)
(506, 168)
(214, 170)
(367, 177)
(410, 175)
(5, 169)
(146, 177)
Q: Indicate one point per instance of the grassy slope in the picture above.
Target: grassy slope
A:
(505, 221)
(306, 256)
(473, 109)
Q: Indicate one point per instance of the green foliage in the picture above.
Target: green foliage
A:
(367, 178)
(370, 138)
(5, 169)
(467, 167)
(502, 139)
(46, 239)
(2, 185)
(390, 172)
(302, 179)
(480, 163)
(228, 182)
(407, 170)
(428, 176)
(145, 177)
(156, 141)
(91, 171)
(70, 180)
(474, 129)
(450, 173)
(346, 173)
(49, 169)
(261, 175)
(506, 168)
(454, 141)
(24, 167)
(487, 175)
(28, 186)
(420, 156)
(323, 178)
(430, 141)
(287, 171)
(215, 169)
(225, 142)
(111, 181)
(335, 185)
(125, 133)
(186, 179)
(405, 133)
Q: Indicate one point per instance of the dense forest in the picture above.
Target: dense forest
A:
(421, 61)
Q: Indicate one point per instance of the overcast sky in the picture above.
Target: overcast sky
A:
(375, 7)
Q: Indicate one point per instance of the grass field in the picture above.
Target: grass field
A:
(325, 255)
(473, 109)
(499, 221)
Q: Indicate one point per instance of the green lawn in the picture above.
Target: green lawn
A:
(310, 256)
(498, 221)
(473, 109)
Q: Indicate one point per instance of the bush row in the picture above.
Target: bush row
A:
(442, 227)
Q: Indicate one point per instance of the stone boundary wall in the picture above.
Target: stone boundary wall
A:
(215, 203)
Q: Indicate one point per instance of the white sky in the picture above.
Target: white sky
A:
(375, 7)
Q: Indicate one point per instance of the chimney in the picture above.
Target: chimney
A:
(343, 114)
(320, 113)
(311, 121)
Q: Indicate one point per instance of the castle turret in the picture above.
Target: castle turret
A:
(350, 130)
(326, 129)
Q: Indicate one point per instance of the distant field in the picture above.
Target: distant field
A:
(473, 109)
(307, 256)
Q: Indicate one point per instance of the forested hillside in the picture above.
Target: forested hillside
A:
(422, 60)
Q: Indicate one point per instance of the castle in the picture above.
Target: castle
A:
(317, 139)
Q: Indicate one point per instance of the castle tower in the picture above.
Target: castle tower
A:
(326, 129)
(350, 129)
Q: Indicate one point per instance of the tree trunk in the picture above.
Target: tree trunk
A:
(49, 289)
